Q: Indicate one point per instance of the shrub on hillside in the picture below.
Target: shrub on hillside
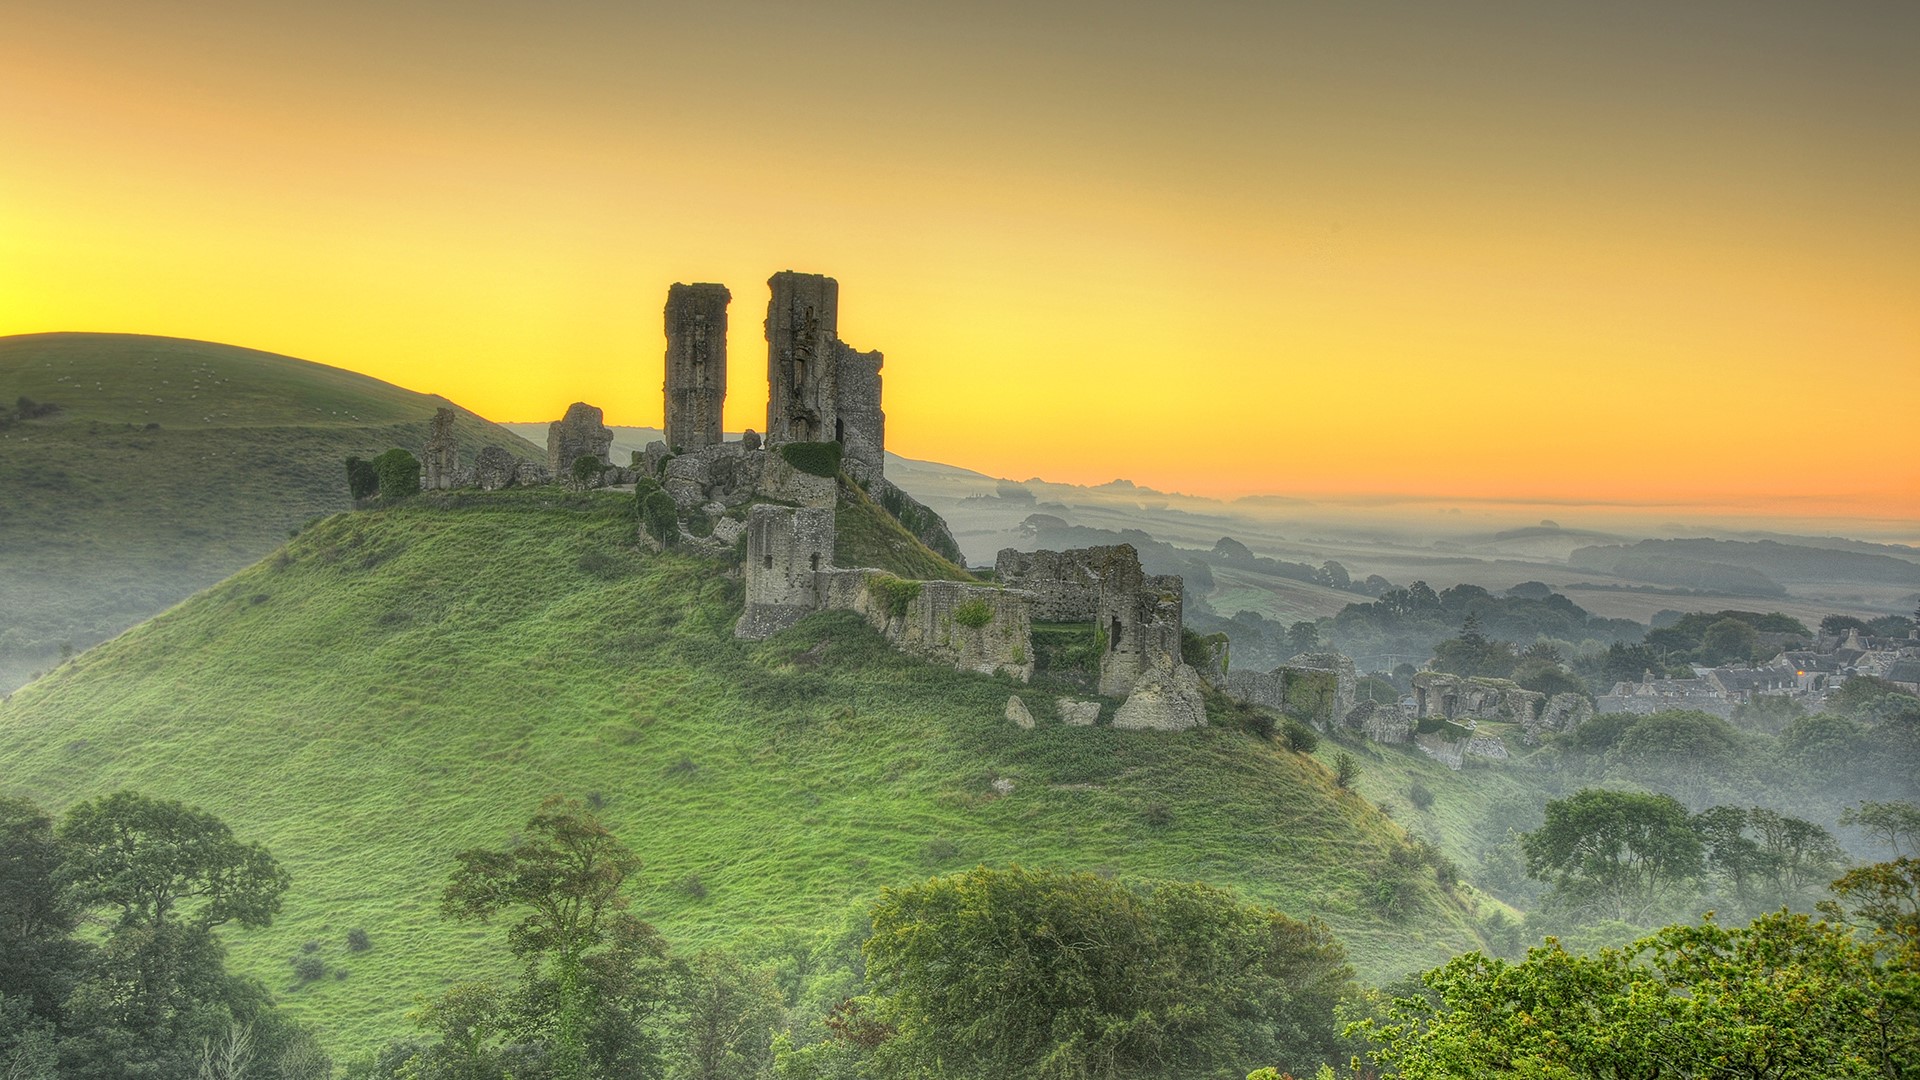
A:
(399, 474)
(661, 518)
(817, 458)
(973, 614)
(1420, 795)
(894, 594)
(1300, 738)
(586, 471)
(362, 480)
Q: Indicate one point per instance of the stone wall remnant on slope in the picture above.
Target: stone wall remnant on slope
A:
(1437, 694)
(696, 381)
(1138, 617)
(1164, 699)
(1561, 714)
(971, 627)
(582, 432)
(1065, 584)
(731, 475)
(440, 461)
(787, 547)
(1317, 687)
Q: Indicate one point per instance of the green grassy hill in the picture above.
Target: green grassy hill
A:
(396, 685)
(169, 465)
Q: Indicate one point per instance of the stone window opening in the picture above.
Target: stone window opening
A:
(1113, 635)
(769, 560)
(815, 560)
(799, 374)
(839, 430)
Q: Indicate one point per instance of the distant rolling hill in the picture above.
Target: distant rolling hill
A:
(397, 685)
(168, 465)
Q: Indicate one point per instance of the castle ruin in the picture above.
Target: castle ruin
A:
(696, 383)
(819, 388)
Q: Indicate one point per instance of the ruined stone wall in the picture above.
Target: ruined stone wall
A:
(440, 461)
(732, 475)
(581, 433)
(1263, 688)
(1346, 681)
(1143, 631)
(1138, 616)
(859, 426)
(787, 547)
(1452, 697)
(696, 382)
(802, 326)
(926, 624)
(1065, 584)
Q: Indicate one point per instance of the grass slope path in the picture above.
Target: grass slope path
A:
(397, 685)
(108, 518)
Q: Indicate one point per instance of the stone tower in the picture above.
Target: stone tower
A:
(696, 386)
(819, 388)
(441, 462)
(787, 548)
(802, 319)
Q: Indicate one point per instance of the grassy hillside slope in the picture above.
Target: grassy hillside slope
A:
(397, 685)
(169, 465)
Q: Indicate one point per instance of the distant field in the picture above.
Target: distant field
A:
(1279, 599)
(169, 465)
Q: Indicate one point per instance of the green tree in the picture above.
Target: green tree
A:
(1729, 641)
(1614, 854)
(363, 480)
(1302, 637)
(399, 474)
(156, 863)
(162, 876)
(1888, 823)
(37, 955)
(725, 1017)
(1695, 755)
(1346, 770)
(661, 518)
(1070, 975)
(563, 879)
(1785, 998)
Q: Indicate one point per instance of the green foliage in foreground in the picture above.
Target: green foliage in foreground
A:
(1785, 997)
(143, 993)
(1020, 973)
(402, 683)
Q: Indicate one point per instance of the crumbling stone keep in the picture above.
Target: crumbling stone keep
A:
(820, 389)
(1138, 617)
(787, 547)
(580, 433)
(440, 463)
(696, 384)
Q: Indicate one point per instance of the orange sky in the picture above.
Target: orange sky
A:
(1610, 251)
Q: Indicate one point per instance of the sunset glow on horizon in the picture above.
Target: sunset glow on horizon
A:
(1606, 253)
